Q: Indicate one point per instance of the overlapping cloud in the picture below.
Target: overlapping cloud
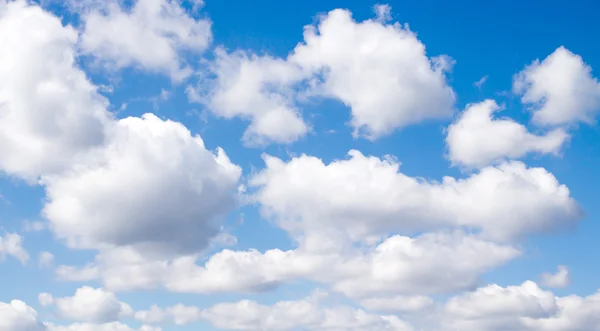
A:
(146, 195)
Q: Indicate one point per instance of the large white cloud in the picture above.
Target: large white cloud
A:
(155, 187)
(524, 307)
(398, 265)
(379, 70)
(153, 35)
(560, 89)
(364, 196)
(254, 88)
(50, 111)
(477, 139)
(306, 314)
(89, 305)
(12, 244)
(18, 316)
(112, 326)
(557, 280)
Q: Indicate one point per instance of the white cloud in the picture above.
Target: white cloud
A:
(156, 187)
(398, 265)
(398, 304)
(112, 326)
(477, 139)
(17, 316)
(153, 35)
(525, 307)
(45, 259)
(254, 88)
(178, 315)
(307, 314)
(479, 84)
(50, 111)
(364, 196)
(11, 244)
(557, 280)
(560, 89)
(89, 305)
(380, 71)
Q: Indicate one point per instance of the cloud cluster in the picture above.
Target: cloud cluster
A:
(155, 185)
(147, 196)
(380, 71)
(154, 35)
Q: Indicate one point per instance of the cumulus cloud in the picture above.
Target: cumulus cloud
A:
(307, 314)
(380, 71)
(477, 139)
(152, 35)
(45, 259)
(155, 186)
(255, 88)
(399, 264)
(11, 244)
(112, 326)
(523, 307)
(89, 305)
(364, 195)
(18, 316)
(557, 280)
(50, 111)
(560, 89)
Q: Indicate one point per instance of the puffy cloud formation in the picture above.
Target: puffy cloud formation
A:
(50, 111)
(557, 280)
(365, 195)
(524, 307)
(12, 244)
(380, 71)
(152, 35)
(45, 259)
(477, 139)
(18, 316)
(307, 314)
(89, 305)
(560, 89)
(55, 125)
(155, 187)
(255, 88)
(112, 326)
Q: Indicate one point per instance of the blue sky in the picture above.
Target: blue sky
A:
(233, 165)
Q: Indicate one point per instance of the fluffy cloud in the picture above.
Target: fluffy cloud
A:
(50, 111)
(155, 186)
(17, 316)
(398, 304)
(560, 89)
(11, 244)
(255, 88)
(477, 139)
(397, 265)
(364, 196)
(153, 35)
(523, 307)
(89, 305)
(45, 259)
(112, 326)
(307, 314)
(559, 279)
(379, 70)
(178, 315)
